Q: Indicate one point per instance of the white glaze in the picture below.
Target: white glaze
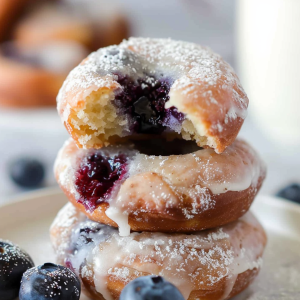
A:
(190, 262)
(163, 181)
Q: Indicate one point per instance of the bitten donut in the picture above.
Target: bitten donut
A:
(32, 76)
(214, 264)
(153, 87)
(129, 187)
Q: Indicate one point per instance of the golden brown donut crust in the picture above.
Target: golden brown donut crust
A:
(182, 194)
(206, 90)
(243, 236)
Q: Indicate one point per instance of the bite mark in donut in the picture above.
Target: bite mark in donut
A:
(152, 86)
(144, 101)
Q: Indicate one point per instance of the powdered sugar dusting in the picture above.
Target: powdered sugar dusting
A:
(205, 89)
(191, 262)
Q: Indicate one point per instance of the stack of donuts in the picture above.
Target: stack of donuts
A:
(156, 179)
(42, 40)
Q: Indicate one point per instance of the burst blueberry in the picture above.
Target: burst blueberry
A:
(96, 177)
(150, 288)
(13, 263)
(50, 281)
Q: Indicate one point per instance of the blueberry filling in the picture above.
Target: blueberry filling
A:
(144, 101)
(85, 235)
(96, 177)
(161, 147)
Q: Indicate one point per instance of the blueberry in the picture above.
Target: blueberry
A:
(143, 100)
(13, 263)
(96, 177)
(27, 172)
(49, 281)
(150, 288)
(291, 192)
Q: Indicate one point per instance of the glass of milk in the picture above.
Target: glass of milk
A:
(268, 57)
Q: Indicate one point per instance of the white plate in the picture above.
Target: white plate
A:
(26, 222)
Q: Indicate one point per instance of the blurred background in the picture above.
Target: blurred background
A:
(41, 41)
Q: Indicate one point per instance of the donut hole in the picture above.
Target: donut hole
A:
(161, 147)
(96, 177)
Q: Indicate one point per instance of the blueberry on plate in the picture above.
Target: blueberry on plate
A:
(49, 281)
(27, 172)
(13, 263)
(291, 192)
(150, 288)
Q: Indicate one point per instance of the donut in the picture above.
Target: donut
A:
(32, 76)
(183, 190)
(52, 22)
(63, 20)
(214, 264)
(10, 10)
(148, 87)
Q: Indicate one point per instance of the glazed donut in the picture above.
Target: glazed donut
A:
(153, 87)
(31, 77)
(214, 264)
(190, 191)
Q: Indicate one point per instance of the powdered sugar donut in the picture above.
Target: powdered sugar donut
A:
(212, 264)
(143, 187)
(153, 87)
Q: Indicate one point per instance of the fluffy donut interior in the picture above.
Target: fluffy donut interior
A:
(98, 122)
(107, 115)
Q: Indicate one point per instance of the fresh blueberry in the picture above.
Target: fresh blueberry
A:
(27, 172)
(150, 288)
(50, 281)
(13, 263)
(291, 192)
